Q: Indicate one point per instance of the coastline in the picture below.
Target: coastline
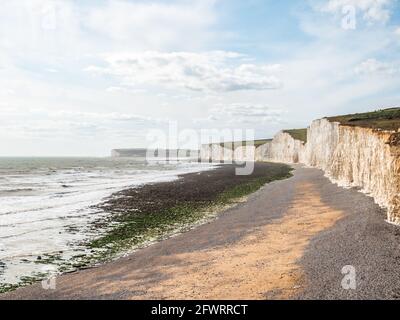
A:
(140, 216)
(289, 240)
(48, 208)
(156, 211)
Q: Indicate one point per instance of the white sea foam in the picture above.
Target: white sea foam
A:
(46, 204)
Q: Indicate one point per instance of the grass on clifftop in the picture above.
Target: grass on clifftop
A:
(386, 119)
(256, 143)
(298, 134)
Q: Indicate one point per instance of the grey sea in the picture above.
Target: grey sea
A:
(47, 205)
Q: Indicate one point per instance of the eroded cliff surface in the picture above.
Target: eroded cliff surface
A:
(358, 157)
(220, 153)
(284, 148)
(350, 155)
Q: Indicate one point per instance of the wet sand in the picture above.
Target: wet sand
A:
(288, 240)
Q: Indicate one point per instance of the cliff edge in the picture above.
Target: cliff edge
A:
(357, 150)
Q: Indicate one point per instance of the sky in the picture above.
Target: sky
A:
(79, 78)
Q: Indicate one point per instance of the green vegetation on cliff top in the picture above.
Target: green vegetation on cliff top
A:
(236, 144)
(298, 134)
(385, 119)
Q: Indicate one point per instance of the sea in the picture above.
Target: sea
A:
(47, 205)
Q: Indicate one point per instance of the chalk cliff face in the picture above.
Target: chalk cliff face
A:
(358, 157)
(350, 156)
(322, 139)
(218, 153)
(262, 153)
(283, 148)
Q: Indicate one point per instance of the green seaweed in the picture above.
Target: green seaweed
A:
(135, 229)
(24, 281)
(131, 230)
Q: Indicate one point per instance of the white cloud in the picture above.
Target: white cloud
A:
(6, 92)
(218, 71)
(39, 27)
(373, 66)
(97, 116)
(241, 113)
(168, 55)
(37, 122)
(155, 24)
(44, 30)
(116, 89)
(372, 10)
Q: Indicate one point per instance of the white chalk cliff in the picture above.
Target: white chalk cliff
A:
(358, 157)
(350, 156)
